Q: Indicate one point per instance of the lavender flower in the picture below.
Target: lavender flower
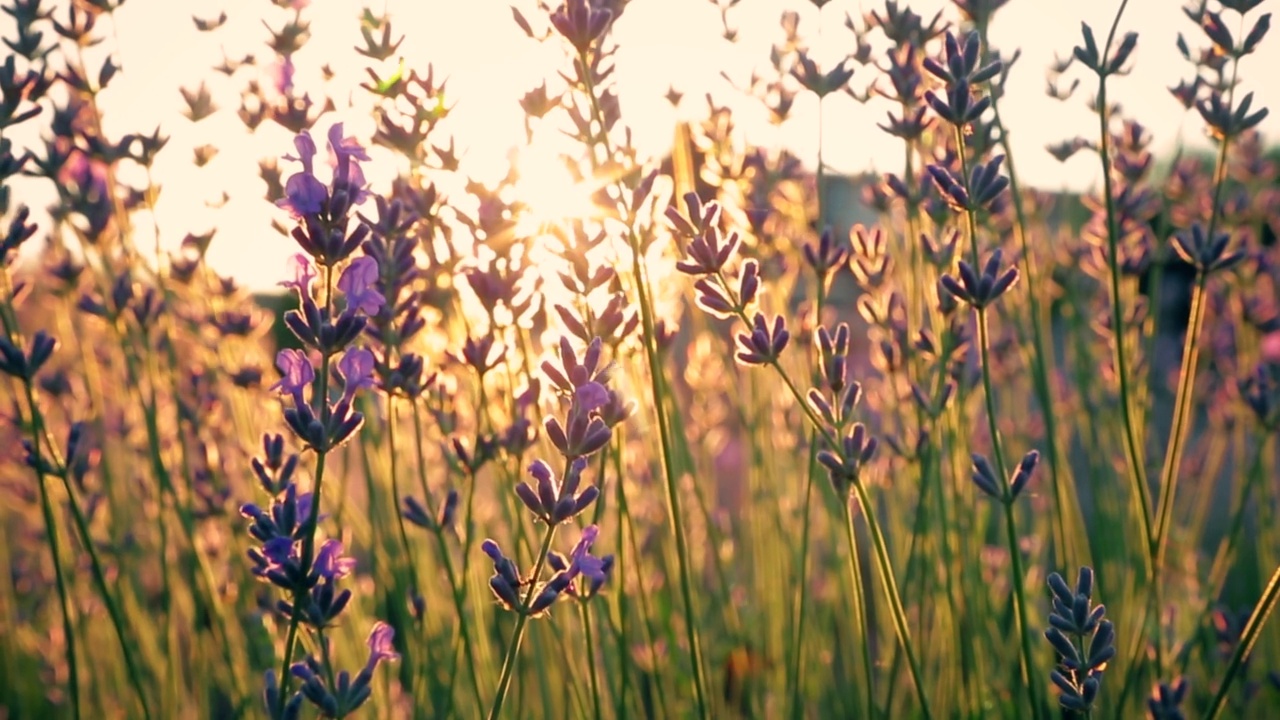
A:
(1073, 619)
(1091, 57)
(960, 73)
(764, 344)
(844, 464)
(984, 476)
(348, 693)
(1166, 699)
(555, 502)
(981, 290)
(581, 23)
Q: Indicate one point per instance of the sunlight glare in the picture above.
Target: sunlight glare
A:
(549, 188)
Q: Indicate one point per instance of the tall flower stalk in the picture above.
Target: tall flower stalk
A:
(585, 27)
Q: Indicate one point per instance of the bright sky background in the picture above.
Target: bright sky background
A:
(491, 64)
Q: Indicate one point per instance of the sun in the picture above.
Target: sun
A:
(548, 188)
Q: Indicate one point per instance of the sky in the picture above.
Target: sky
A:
(490, 64)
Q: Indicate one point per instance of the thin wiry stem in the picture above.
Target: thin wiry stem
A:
(590, 646)
(517, 635)
(51, 531)
(997, 448)
(457, 585)
(1186, 379)
(884, 565)
(1042, 357)
(860, 608)
(1252, 629)
(1026, 661)
(796, 646)
(648, 325)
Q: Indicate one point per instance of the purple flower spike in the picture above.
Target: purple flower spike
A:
(359, 283)
(764, 344)
(297, 371)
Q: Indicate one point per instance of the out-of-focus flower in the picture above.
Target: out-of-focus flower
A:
(581, 23)
(381, 645)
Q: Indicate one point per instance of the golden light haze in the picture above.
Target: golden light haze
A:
(490, 64)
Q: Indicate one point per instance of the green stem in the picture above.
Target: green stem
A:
(1184, 401)
(313, 518)
(1042, 358)
(1133, 447)
(522, 620)
(1015, 552)
(885, 567)
(670, 476)
(1186, 379)
(984, 345)
(457, 585)
(1248, 637)
(585, 612)
(51, 530)
(860, 608)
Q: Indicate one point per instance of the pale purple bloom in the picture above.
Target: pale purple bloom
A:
(297, 373)
(345, 150)
(381, 644)
(356, 369)
(306, 151)
(300, 267)
(581, 561)
(303, 193)
(331, 563)
(304, 506)
(359, 282)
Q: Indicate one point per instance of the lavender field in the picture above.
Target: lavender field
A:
(712, 428)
